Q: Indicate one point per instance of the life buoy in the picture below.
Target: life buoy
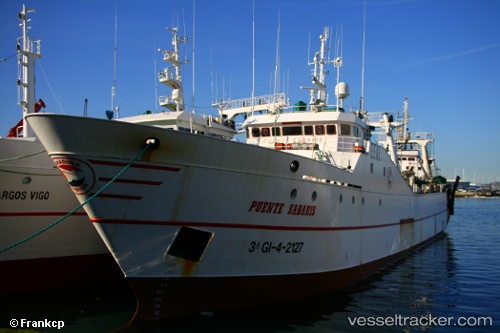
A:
(279, 146)
(359, 149)
(320, 129)
(265, 131)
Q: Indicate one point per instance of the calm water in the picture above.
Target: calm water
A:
(456, 276)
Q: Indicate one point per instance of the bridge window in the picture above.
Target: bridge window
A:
(255, 132)
(308, 130)
(331, 130)
(294, 130)
(275, 131)
(319, 129)
(345, 129)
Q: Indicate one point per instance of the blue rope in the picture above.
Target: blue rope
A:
(81, 205)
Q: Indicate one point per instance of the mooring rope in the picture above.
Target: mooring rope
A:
(56, 174)
(25, 173)
(21, 157)
(146, 147)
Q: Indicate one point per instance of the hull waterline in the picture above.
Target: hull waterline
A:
(211, 295)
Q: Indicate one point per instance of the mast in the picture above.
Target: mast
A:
(193, 54)
(337, 63)
(113, 88)
(277, 66)
(322, 62)
(422, 139)
(253, 56)
(406, 119)
(318, 96)
(172, 76)
(341, 89)
(28, 50)
(362, 98)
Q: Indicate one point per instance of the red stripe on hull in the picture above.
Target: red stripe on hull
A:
(47, 273)
(131, 181)
(118, 196)
(258, 226)
(40, 214)
(139, 166)
(159, 298)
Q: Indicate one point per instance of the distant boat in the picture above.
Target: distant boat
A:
(202, 223)
(32, 196)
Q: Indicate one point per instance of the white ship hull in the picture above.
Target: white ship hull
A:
(202, 224)
(32, 196)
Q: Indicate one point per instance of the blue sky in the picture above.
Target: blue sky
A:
(443, 54)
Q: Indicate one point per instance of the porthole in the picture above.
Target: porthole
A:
(294, 166)
(314, 196)
(293, 194)
(26, 180)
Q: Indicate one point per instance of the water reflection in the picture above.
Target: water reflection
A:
(416, 285)
(456, 276)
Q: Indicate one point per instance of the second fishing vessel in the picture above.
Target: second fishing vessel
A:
(33, 196)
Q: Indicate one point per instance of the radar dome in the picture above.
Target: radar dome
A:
(342, 90)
